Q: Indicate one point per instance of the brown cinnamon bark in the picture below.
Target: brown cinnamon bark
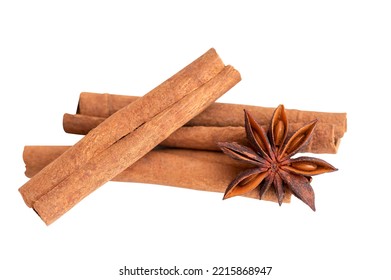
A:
(108, 158)
(126, 136)
(102, 105)
(122, 123)
(210, 171)
(323, 140)
(206, 138)
(218, 114)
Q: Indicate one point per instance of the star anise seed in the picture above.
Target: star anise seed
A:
(271, 153)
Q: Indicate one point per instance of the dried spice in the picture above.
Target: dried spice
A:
(126, 136)
(271, 155)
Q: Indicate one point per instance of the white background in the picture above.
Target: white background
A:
(310, 55)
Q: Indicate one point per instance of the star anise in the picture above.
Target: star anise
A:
(271, 156)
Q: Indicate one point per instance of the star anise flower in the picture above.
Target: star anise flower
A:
(271, 156)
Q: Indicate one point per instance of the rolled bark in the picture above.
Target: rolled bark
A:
(105, 165)
(122, 123)
(323, 140)
(126, 136)
(218, 114)
(210, 171)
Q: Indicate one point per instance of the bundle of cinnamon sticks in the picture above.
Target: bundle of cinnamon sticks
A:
(168, 137)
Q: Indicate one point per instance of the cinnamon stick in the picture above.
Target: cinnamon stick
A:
(122, 123)
(206, 138)
(218, 114)
(323, 140)
(210, 171)
(128, 148)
